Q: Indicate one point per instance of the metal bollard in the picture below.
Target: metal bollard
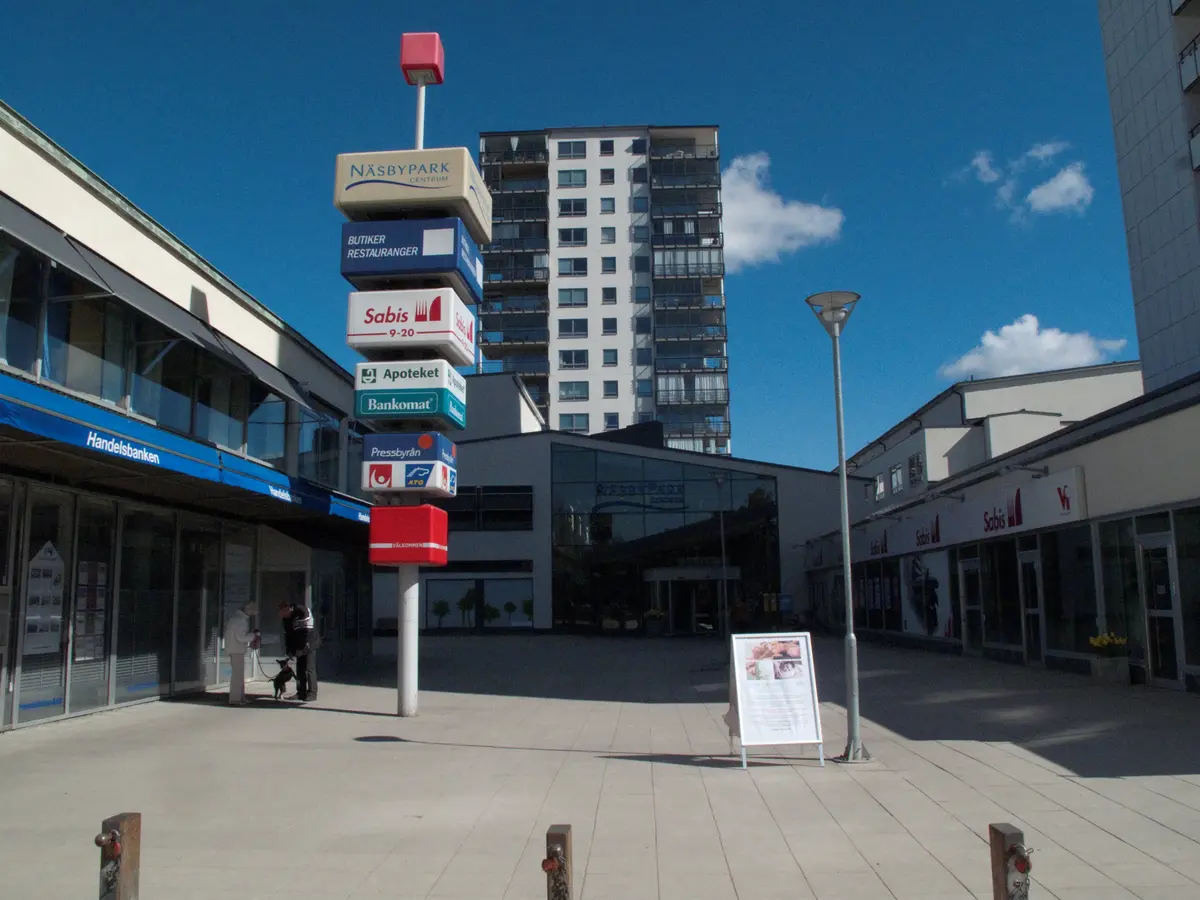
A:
(1010, 862)
(557, 865)
(120, 843)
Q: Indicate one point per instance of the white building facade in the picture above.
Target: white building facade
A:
(605, 279)
(1152, 58)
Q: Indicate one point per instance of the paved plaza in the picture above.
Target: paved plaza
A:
(623, 740)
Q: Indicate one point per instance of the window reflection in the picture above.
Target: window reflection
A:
(320, 441)
(20, 290)
(163, 375)
(85, 345)
(266, 426)
(221, 403)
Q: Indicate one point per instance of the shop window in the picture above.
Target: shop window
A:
(266, 426)
(1001, 594)
(146, 605)
(1068, 589)
(320, 445)
(1187, 544)
(222, 401)
(85, 344)
(163, 377)
(20, 305)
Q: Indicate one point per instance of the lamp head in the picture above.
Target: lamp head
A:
(833, 308)
(422, 58)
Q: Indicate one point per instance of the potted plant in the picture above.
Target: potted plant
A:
(654, 622)
(490, 614)
(1111, 663)
(441, 609)
(510, 608)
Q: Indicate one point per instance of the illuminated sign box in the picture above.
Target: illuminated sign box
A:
(441, 182)
(428, 447)
(408, 249)
(408, 535)
(380, 323)
(436, 479)
(426, 394)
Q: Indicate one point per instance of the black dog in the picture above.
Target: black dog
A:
(285, 675)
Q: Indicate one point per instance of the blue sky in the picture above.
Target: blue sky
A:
(856, 128)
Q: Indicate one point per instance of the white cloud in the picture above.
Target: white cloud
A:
(1025, 346)
(981, 162)
(760, 225)
(1068, 191)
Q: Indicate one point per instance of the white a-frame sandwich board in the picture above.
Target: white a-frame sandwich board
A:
(773, 692)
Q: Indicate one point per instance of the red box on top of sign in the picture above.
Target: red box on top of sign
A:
(422, 57)
(408, 536)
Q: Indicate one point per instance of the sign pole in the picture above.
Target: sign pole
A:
(409, 600)
(420, 142)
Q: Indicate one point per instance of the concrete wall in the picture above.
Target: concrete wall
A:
(496, 406)
(1151, 120)
(1073, 397)
(1008, 432)
(37, 183)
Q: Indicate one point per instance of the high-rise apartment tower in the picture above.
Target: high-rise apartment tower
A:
(1152, 56)
(604, 281)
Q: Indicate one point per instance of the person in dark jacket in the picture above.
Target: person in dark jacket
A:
(299, 641)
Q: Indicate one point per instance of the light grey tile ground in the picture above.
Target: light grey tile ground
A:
(623, 740)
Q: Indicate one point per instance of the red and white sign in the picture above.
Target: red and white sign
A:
(434, 478)
(408, 536)
(412, 320)
(986, 513)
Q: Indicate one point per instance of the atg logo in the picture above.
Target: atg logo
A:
(417, 476)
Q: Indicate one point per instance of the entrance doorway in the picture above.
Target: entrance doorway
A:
(972, 601)
(690, 597)
(1157, 582)
(1031, 605)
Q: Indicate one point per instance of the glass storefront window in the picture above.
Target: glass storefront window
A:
(145, 612)
(266, 427)
(354, 458)
(1068, 589)
(450, 603)
(1122, 598)
(93, 604)
(1187, 545)
(320, 444)
(1001, 594)
(221, 403)
(85, 345)
(163, 377)
(508, 602)
(20, 305)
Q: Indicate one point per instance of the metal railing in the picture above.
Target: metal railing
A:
(695, 429)
(689, 332)
(689, 270)
(696, 397)
(686, 180)
(689, 301)
(515, 275)
(501, 245)
(517, 365)
(521, 213)
(518, 305)
(515, 336)
(495, 157)
(520, 186)
(691, 208)
(691, 364)
(693, 151)
(714, 239)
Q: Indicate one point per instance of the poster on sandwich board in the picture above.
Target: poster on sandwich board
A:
(773, 692)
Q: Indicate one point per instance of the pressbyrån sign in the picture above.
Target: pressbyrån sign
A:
(427, 447)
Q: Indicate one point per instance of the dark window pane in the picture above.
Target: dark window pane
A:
(320, 441)
(1068, 589)
(571, 464)
(266, 428)
(85, 346)
(20, 305)
(221, 403)
(163, 376)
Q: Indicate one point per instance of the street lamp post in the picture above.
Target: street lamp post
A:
(719, 478)
(833, 309)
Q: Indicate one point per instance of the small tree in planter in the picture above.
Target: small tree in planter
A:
(527, 608)
(510, 608)
(490, 614)
(466, 605)
(654, 621)
(1111, 663)
(441, 609)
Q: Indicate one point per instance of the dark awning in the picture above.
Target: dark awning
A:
(42, 236)
(277, 381)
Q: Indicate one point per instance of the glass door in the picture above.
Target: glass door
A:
(95, 543)
(1163, 640)
(46, 558)
(972, 600)
(198, 613)
(8, 543)
(1031, 606)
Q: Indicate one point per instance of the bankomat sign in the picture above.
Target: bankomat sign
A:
(412, 248)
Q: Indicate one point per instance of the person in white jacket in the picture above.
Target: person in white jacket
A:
(238, 639)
